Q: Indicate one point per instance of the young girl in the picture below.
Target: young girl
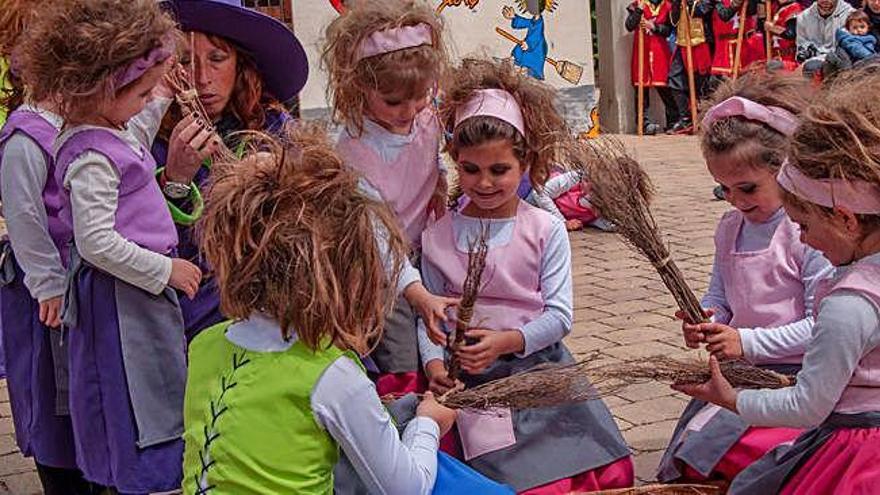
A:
(832, 190)
(100, 60)
(566, 196)
(33, 282)
(652, 18)
(503, 125)
(763, 278)
(273, 395)
(385, 58)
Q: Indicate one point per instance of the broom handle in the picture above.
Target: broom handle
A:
(507, 35)
(641, 98)
(740, 37)
(689, 65)
(768, 36)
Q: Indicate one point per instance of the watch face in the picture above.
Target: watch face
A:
(175, 190)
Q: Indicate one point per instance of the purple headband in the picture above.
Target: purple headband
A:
(493, 103)
(394, 39)
(778, 119)
(129, 73)
(856, 195)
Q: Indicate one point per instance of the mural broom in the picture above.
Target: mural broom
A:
(569, 71)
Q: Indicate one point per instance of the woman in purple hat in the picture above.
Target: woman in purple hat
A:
(246, 66)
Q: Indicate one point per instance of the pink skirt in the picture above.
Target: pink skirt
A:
(400, 384)
(754, 443)
(618, 474)
(848, 464)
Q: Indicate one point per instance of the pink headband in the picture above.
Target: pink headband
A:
(493, 103)
(777, 118)
(394, 39)
(857, 196)
(127, 74)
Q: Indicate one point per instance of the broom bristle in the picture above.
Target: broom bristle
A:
(622, 192)
(549, 385)
(657, 489)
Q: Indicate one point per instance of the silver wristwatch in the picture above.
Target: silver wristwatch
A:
(176, 190)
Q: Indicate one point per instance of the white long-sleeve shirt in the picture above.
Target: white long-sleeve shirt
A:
(23, 178)
(344, 403)
(847, 328)
(555, 321)
(553, 188)
(764, 344)
(93, 182)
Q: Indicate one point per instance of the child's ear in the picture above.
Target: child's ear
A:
(848, 220)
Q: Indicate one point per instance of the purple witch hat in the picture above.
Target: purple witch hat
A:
(277, 52)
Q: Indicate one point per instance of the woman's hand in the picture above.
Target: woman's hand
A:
(185, 276)
(489, 346)
(693, 335)
(717, 390)
(190, 144)
(723, 341)
(442, 415)
(50, 312)
(431, 308)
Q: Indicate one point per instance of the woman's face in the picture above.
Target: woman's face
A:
(215, 68)
(873, 6)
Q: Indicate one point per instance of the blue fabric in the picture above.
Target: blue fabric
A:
(857, 47)
(454, 477)
(533, 58)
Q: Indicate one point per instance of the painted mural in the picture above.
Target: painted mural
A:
(548, 39)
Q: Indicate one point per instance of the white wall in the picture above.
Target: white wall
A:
(469, 32)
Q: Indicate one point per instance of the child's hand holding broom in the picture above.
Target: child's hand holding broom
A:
(442, 415)
(693, 336)
(716, 390)
(487, 346)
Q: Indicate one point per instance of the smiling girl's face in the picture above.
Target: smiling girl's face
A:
(750, 189)
(489, 175)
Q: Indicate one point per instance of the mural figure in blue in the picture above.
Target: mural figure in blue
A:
(532, 51)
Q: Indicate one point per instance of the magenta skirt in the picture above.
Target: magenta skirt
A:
(848, 464)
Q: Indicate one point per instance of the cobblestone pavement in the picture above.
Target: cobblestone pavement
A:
(621, 308)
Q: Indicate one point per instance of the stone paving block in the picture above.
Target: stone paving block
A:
(651, 437)
(646, 466)
(640, 392)
(651, 411)
(635, 320)
(14, 464)
(7, 444)
(24, 483)
(643, 350)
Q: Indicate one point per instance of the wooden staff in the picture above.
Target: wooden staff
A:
(641, 97)
(768, 21)
(689, 65)
(740, 37)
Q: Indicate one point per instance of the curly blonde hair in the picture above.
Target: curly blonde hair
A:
(403, 72)
(839, 137)
(289, 233)
(545, 128)
(755, 144)
(72, 49)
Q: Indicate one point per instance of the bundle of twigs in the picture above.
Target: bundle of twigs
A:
(612, 377)
(477, 251)
(179, 79)
(542, 386)
(622, 192)
(553, 385)
(683, 489)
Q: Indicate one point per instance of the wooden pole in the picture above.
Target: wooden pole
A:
(641, 97)
(689, 63)
(768, 21)
(740, 37)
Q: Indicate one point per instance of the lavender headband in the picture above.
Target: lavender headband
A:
(858, 196)
(778, 119)
(493, 103)
(394, 39)
(129, 73)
